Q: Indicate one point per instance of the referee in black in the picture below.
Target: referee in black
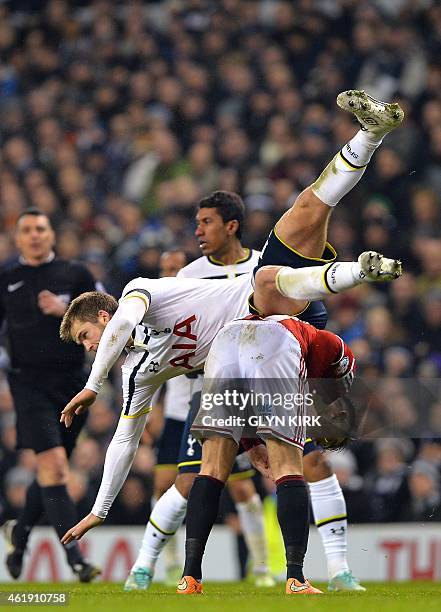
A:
(45, 373)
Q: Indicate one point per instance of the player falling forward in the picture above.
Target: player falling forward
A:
(267, 356)
(219, 227)
(186, 314)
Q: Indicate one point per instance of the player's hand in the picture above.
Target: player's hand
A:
(51, 304)
(76, 533)
(258, 456)
(79, 404)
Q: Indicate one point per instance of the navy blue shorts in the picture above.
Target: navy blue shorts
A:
(277, 253)
(190, 452)
(310, 447)
(169, 443)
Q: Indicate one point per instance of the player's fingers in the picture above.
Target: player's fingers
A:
(69, 407)
(68, 536)
(67, 417)
(80, 409)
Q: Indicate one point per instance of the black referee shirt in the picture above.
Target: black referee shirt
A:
(33, 337)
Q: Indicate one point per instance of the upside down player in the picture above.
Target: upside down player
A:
(299, 239)
(269, 356)
(219, 227)
(219, 221)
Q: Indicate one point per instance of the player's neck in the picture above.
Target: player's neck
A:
(231, 254)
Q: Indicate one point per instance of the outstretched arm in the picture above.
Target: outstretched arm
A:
(278, 288)
(119, 459)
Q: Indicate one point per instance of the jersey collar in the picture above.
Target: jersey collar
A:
(216, 262)
(50, 258)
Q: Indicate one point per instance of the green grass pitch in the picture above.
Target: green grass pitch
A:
(229, 597)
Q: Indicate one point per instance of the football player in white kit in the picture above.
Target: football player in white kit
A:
(178, 318)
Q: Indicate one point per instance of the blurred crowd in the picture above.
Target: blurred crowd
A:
(116, 117)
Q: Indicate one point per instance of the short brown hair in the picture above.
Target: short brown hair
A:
(86, 307)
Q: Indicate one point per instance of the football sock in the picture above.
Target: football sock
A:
(318, 281)
(346, 168)
(251, 521)
(329, 508)
(29, 516)
(165, 519)
(293, 517)
(171, 554)
(203, 506)
(62, 515)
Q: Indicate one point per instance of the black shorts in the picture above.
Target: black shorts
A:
(190, 452)
(277, 253)
(310, 447)
(39, 397)
(169, 443)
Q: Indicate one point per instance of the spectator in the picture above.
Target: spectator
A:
(425, 494)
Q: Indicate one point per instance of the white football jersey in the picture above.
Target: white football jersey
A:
(179, 390)
(209, 267)
(177, 330)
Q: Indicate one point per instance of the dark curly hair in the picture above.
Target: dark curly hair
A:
(229, 205)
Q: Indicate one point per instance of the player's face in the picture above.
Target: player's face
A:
(211, 231)
(171, 263)
(34, 238)
(89, 334)
(336, 423)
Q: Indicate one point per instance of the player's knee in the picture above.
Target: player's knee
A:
(52, 467)
(315, 467)
(163, 480)
(306, 220)
(184, 482)
(265, 278)
(308, 202)
(241, 490)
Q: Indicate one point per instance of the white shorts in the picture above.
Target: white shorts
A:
(137, 391)
(254, 384)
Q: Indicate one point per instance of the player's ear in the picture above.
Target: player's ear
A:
(53, 237)
(103, 317)
(232, 227)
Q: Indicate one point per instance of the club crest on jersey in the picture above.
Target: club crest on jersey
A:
(183, 329)
(190, 442)
(342, 366)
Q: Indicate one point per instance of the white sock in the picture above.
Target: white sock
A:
(346, 168)
(251, 521)
(171, 554)
(329, 507)
(318, 281)
(167, 516)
